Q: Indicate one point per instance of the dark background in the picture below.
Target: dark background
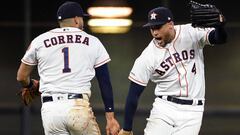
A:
(20, 23)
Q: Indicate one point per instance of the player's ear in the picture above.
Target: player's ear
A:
(172, 23)
(76, 21)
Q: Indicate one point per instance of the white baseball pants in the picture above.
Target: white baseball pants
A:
(169, 118)
(68, 117)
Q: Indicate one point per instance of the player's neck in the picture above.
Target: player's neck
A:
(174, 34)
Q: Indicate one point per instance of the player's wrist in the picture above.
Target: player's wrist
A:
(109, 115)
(29, 85)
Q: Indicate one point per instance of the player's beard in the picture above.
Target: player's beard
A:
(159, 42)
(165, 39)
(162, 41)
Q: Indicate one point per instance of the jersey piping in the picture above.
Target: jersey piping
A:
(28, 63)
(137, 81)
(185, 75)
(101, 63)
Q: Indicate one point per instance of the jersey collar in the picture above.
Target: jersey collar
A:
(66, 29)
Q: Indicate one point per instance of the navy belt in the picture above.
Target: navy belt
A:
(70, 96)
(181, 101)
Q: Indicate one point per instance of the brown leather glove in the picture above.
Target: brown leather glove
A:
(28, 94)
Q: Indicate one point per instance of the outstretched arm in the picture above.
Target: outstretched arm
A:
(135, 90)
(105, 85)
(103, 78)
(218, 35)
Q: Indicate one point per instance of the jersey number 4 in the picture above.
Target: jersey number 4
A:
(65, 52)
(194, 68)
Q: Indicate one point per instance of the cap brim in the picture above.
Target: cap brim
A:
(153, 24)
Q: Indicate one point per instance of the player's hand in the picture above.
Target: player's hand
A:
(123, 132)
(28, 94)
(112, 127)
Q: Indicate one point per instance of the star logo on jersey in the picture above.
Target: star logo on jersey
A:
(153, 16)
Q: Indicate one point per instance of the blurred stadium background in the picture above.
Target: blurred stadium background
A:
(23, 20)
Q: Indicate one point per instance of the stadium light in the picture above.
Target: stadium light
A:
(110, 22)
(110, 16)
(110, 12)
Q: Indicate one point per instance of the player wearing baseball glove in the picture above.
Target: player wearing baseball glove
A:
(152, 63)
(205, 15)
(30, 92)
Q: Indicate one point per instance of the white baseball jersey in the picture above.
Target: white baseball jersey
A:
(66, 58)
(178, 68)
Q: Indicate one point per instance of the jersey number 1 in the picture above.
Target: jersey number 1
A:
(66, 68)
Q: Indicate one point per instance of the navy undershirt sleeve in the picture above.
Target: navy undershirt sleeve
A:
(135, 90)
(105, 86)
(218, 36)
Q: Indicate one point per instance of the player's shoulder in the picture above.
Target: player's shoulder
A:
(94, 38)
(184, 27)
(149, 52)
(45, 34)
(189, 27)
(40, 37)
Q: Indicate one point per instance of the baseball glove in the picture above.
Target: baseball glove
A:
(123, 132)
(28, 94)
(205, 15)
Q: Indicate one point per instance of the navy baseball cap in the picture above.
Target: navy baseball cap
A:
(70, 9)
(159, 16)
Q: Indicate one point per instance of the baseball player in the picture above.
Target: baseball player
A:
(67, 59)
(174, 61)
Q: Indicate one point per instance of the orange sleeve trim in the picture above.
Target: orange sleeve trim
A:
(101, 63)
(137, 81)
(28, 63)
